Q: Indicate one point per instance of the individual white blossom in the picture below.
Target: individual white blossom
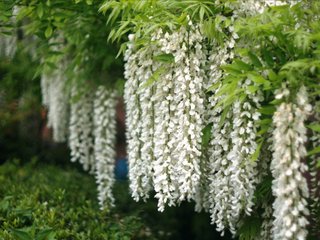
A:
(104, 143)
(81, 135)
(289, 185)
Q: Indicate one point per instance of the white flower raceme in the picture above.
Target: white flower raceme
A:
(266, 227)
(8, 45)
(314, 181)
(189, 82)
(280, 2)
(179, 116)
(172, 110)
(233, 174)
(56, 98)
(81, 135)
(217, 190)
(104, 143)
(139, 119)
(164, 186)
(252, 7)
(45, 81)
(290, 186)
(243, 138)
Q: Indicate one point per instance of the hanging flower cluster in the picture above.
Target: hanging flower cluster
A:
(8, 45)
(266, 226)
(81, 138)
(233, 175)
(138, 69)
(104, 143)
(290, 187)
(315, 184)
(174, 115)
(56, 99)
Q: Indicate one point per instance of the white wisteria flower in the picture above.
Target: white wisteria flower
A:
(233, 174)
(180, 117)
(104, 143)
(290, 186)
(81, 127)
(55, 97)
(139, 119)
(165, 118)
(266, 226)
(314, 177)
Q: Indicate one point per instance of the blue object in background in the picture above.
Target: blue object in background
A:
(121, 168)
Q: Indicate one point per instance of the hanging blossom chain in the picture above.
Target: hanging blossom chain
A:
(171, 109)
(81, 139)
(266, 226)
(289, 186)
(8, 43)
(139, 119)
(179, 117)
(164, 186)
(243, 138)
(56, 98)
(104, 143)
(314, 180)
(219, 175)
(233, 175)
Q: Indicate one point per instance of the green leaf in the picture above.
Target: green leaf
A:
(254, 59)
(231, 69)
(242, 66)
(314, 127)
(314, 151)
(206, 135)
(40, 10)
(258, 79)
(168, 58)
(46, 234)
(21, 235)
(267, 110)
(272, 75)
(119, 85)
(267, 57)
(154, 77)
(256, 154)
(48, 32)
(228, 88)
(250, 228)
(5, 203)
(213, 87)
(224, 115)
(253, 89)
